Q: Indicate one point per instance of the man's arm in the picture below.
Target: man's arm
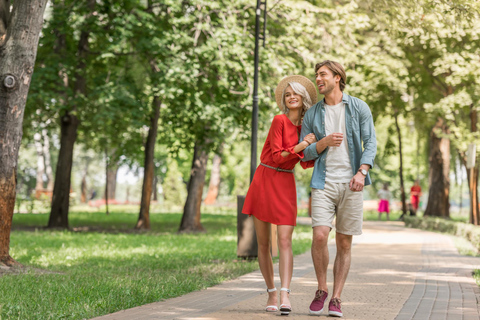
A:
(369, 139)
(310, 152)
(368, 136)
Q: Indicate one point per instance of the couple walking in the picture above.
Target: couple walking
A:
(337, 138)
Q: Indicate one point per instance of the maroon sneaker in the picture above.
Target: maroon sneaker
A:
(334, 308)
(316, 307)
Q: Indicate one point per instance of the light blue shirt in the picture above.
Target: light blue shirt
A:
(360, 130)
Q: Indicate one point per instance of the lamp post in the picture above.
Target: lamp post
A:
(253, 159)
(246, 237)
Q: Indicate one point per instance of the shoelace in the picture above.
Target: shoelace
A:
(336, 302)
(319, 295)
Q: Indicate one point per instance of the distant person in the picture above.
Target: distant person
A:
(272, 196)
(415, 194)
(343, 154)
(410, 209)
(94, 194)
(384, 196)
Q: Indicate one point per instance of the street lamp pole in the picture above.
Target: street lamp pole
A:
(247, 246)
(253, 161)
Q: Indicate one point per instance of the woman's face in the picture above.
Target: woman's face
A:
(293, 100)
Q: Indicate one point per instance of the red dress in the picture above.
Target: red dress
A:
(415, 192)
(272, 196)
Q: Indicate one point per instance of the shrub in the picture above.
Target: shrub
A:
(460, 229)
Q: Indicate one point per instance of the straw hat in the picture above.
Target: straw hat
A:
(304, 81)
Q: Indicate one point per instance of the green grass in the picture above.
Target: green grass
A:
(464, 247)
(372, 215)
(114, 268)
(476, 276)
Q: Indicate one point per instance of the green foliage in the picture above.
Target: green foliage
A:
(414, 59)
(174, 188)
(465, 230)
(88, 274)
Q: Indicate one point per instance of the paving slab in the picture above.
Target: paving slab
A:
(396, 273)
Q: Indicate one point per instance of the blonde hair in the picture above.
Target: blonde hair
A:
(300, 90)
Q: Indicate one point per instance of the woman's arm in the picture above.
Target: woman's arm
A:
(308, 140)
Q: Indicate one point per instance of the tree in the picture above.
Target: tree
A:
(20, 26)
(438, 204)
(214, 184)
(69, 126)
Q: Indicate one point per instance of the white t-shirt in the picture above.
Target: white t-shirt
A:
(384, 194)
(338, 165)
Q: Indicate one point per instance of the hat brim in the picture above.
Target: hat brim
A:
(304, 81)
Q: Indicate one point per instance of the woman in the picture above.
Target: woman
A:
(384, 204)
(272, 196)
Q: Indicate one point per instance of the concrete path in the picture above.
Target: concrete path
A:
(396, 273)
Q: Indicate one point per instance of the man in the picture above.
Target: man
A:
(343, 154)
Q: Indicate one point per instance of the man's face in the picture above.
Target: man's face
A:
(325, 80)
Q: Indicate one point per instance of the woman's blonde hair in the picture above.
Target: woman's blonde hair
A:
(300, 90)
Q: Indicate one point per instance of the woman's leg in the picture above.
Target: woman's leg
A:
(286, 260)
(265, 262)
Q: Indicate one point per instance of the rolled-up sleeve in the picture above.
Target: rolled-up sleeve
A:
(307, 164)
(368, 136)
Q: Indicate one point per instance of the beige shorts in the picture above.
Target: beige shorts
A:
(338, 200)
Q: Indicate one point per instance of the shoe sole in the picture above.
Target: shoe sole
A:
(317, 313)
(335, 314)
(285, 311)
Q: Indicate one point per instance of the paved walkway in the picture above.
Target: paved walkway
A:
(396, 273)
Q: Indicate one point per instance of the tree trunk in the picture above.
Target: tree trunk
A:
(472, 177)
(155, 188)
(191, 212)
(112, 172)
(106, 181)
(37, 137)
(144, 215)
(69, 127)
(214, 180)
(472, 174)
(19, 34)
(438, 197)
(402, 185)
(61, 189)
(46, 157)
(83, 186)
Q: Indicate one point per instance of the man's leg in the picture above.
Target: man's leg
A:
(342, 263)
(320, 255)
(323, 212)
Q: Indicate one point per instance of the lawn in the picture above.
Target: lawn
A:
(104, 266)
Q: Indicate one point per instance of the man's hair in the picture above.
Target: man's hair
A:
(336, 68)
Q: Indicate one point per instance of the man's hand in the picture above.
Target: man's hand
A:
(357, 183)
(334, 140)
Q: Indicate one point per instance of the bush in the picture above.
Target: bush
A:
(460, 229)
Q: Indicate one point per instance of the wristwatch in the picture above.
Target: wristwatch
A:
(363, 171)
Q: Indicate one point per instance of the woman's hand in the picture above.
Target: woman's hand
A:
(310, 138)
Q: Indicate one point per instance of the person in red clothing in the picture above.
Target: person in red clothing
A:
(415, 193)
(272, 196)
